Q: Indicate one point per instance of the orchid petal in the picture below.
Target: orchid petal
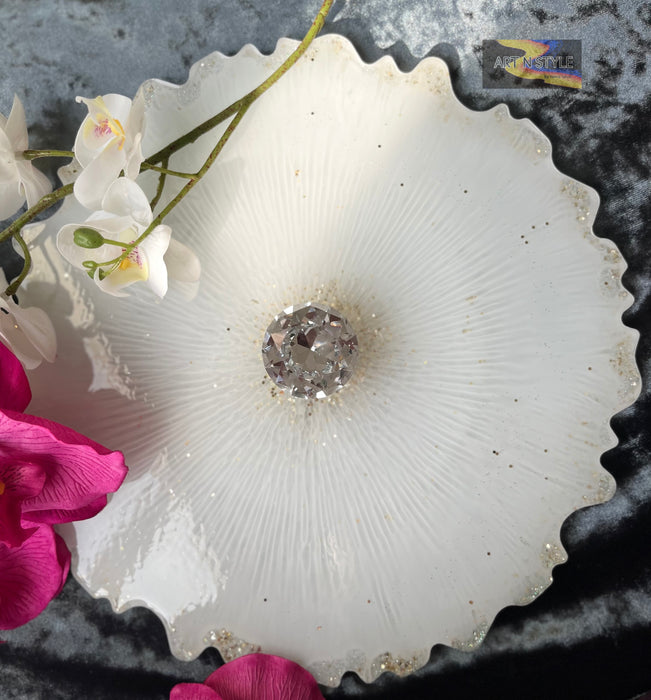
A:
(125, 198)
(15, 393)
(36, 326)
(7, 158)
(21, 480)
(79, 471)
(136, 120)
(30, 576)
(119, 107)
(96, 177)
(11, 333)
(16, 126)
(97, 108)
(114, 285)
(104, 123)
(12, 534)
(11, 198)
(18, 482)
(135, 158)
(193, 691)
(27, 331)
(91, 140)
(19, 179)
(35, 184)
(123, 277)
(155, 247)
(263, 677)
(182, 264)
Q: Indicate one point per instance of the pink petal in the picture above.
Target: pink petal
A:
(193, 691)
(11, 532)
(14, 387)
(79, 472)
(30, 576)
(17, 482)
(263, 677)
(21, 480)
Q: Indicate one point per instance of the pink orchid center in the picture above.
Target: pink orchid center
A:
(134, 259)
(108, 125)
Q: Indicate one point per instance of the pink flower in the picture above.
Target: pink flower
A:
(253, 677)
(48, 474)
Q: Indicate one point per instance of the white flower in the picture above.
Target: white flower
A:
(28, 332)
(19, 179)
(108, 141)
(125, 214)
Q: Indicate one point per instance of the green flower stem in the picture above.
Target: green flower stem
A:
(211, 123)
(32, 154)
(166, 171)
(119, 244)
(191, 183)
(13, 230)
(11, 289)
(161, 184)
(43, 203)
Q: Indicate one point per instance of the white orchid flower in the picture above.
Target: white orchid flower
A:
(108, 142)
(108, 233)
(19, 179)
(26, 331)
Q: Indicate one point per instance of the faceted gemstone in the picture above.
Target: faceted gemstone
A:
(310, 350)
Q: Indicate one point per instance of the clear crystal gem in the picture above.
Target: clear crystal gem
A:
(310, 350)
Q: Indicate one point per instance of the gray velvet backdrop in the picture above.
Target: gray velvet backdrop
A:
(589, 635)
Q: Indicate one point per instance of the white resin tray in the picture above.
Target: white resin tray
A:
(352, 533)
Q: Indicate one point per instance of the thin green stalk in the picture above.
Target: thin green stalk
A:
(32, 154)
(166, 171)
(161, 184)
(191, 183)
(27, 264)
(211, 123)
(43, 203)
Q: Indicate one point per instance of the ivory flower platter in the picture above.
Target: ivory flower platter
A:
(357, 531)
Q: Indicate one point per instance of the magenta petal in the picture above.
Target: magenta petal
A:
(30, 576)
(263, 677)
(63, 557)
(12, 534)
(17, 482)
(79, 472)
(66, 516)
(15, 393)
(193, 691)
(21, 480)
